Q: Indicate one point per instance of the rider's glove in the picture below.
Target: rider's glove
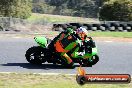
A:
(92, 43)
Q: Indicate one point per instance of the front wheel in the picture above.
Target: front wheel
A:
(88, 63)
(35, 55)
(94, 59)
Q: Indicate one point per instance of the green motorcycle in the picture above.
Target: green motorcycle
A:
(45, 52)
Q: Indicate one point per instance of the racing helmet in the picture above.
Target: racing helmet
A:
(82, 32)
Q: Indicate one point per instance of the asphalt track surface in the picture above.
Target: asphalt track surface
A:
(115, 57)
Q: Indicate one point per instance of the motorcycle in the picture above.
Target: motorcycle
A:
(45, 53)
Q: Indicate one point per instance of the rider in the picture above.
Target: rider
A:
(69, 39)
(86, 41)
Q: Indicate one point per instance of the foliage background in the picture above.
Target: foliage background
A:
(15, 8)
(116, 10)
(113, 10)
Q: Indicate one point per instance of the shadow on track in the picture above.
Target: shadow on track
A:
(31, 66)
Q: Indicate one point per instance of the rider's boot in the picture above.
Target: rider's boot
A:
(70, 63)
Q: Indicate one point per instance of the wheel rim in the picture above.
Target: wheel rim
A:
(32, 56)
(94, 59)
(36, 56)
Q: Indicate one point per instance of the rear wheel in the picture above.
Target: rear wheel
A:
(35, 55)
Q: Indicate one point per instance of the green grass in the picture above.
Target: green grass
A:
(35, 17)
(111, 34)
(50, 81)
(91, 33)
(102, 34)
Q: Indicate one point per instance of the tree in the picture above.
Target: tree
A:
(84, 8)
(15, 8)
(117, 10)
(42, 7)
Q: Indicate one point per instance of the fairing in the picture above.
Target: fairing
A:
(42, 41)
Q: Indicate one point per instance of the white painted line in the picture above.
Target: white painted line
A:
(5, 72)
(108, 41)
(16, 37)
(54, 74)
(37, 73)
(47, 73)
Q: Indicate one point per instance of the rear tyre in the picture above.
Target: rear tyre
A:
(35, 55)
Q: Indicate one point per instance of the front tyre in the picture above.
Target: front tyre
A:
(94, 59)
(35, 55)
